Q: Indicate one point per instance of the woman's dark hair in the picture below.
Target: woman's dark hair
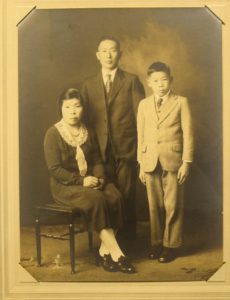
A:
(68, 94)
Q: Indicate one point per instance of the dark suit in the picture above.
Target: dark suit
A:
(114, 119)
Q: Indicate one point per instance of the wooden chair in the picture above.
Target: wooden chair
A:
(72, 215)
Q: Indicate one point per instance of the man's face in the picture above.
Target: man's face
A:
(160, 83)
(108, 54)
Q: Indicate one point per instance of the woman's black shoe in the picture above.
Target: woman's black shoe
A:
(106, 262)
(125, 266)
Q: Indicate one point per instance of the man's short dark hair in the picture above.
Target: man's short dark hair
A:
(110, 38)
(158, 67)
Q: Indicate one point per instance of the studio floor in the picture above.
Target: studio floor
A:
(199, 258)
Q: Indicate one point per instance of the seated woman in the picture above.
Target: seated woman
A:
(77, 179)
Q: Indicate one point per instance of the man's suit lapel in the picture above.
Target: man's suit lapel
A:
(99, 86)
(167, 107)
(116, 86)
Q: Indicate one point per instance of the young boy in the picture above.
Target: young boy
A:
(165, 153)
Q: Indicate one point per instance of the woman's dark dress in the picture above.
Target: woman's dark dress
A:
(103, 209)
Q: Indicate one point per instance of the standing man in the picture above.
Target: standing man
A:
(111, 99)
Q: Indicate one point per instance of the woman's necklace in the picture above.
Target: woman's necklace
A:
(75, 131)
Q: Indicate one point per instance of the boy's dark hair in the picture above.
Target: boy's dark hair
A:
(68, 94)
(158, 67)
(111, 38)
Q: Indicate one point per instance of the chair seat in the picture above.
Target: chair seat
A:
(55, 207)
(73, 214)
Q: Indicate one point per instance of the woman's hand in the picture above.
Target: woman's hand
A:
(142, 176)
(90, 181)
(101, 183)
(183, 172)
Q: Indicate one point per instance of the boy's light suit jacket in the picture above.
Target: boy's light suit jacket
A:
(167, 138)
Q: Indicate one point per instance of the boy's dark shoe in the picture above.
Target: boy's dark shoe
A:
(155, 252)
(167, 255)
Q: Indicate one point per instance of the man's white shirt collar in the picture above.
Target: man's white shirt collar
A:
(106, 72)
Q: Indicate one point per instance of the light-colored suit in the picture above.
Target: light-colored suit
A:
(165, 140)
(168, 137)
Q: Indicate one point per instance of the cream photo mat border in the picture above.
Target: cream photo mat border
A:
(17, 283)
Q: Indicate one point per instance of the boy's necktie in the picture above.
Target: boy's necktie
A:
(108, 84)
(159, 103)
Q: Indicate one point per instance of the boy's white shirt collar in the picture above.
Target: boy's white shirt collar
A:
(165, 97)
(106, 72)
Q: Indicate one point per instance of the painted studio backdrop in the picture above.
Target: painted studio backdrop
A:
(57, 50)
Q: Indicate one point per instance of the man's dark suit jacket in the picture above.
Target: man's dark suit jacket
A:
(114, 118)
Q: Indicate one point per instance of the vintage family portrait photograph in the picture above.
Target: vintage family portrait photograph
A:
(114, 150)
(120, 144)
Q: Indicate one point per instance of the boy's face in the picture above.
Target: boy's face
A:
(108, 54)
(160, 83)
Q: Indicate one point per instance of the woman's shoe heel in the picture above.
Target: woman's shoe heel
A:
(97, 260)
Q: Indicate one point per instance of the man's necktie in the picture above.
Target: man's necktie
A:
(108, 84)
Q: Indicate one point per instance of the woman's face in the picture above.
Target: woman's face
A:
(72, 111)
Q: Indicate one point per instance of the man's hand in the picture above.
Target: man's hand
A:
(90, 181)
(142, 176)
(183, 172)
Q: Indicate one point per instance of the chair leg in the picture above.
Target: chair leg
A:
(90, 240)
(72, 247)
(38, 240)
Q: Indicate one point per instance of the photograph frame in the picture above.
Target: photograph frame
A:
(15, 281)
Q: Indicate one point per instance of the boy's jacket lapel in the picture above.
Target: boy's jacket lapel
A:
(152, 108)
(167, 107)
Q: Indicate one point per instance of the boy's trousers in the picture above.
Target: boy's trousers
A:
(165, 198)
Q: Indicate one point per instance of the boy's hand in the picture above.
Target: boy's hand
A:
(183, 172)
(142, 176)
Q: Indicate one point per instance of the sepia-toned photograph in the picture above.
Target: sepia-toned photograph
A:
(114, 150)
(120, 144)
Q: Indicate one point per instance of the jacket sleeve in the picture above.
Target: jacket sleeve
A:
(53, 160)
(140, 132)
(138, 93)
(188, 132)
